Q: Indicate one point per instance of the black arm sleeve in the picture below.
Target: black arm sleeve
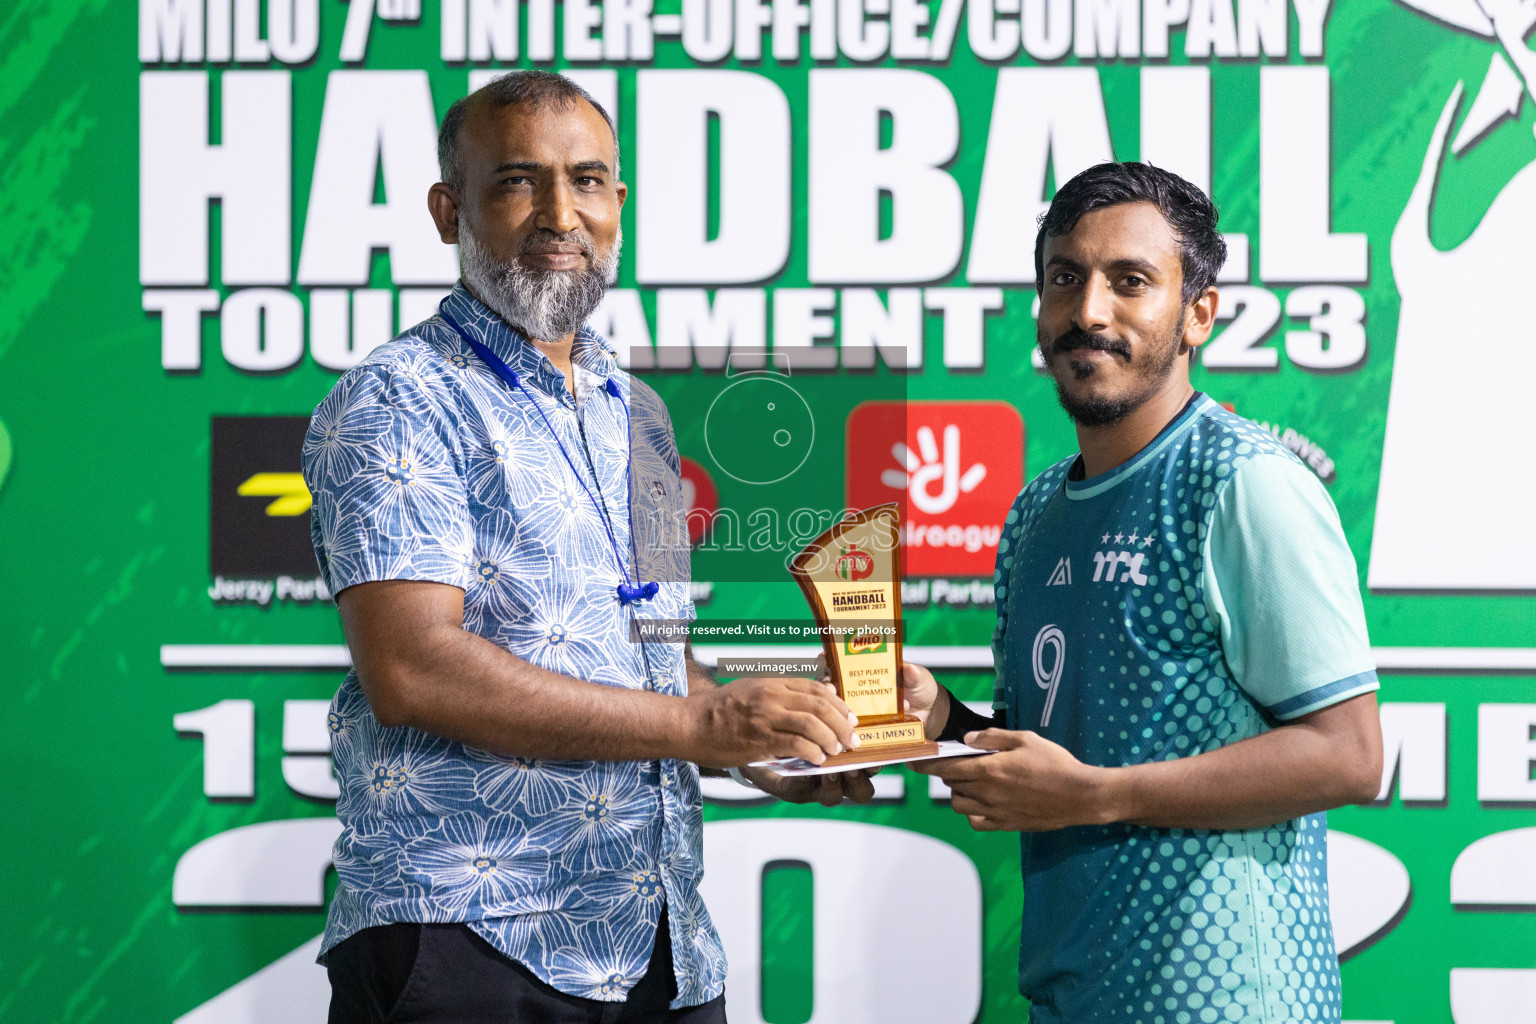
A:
(963, 720)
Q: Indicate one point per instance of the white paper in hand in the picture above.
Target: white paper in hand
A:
(795, 766)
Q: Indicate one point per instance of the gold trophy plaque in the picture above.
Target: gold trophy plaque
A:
(851, 576)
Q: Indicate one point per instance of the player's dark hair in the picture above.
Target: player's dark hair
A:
(531, 89)
(1189, 211)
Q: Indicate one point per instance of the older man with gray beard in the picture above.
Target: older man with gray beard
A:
(519, 778)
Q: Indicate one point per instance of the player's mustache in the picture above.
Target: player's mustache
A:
(1076, 337)
(546, 241)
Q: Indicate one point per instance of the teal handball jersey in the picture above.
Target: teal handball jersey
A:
(1195, 596)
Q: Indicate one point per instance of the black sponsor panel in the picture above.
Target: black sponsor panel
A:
(263, 532)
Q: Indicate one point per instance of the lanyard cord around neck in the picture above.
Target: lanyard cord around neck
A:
(628, 591)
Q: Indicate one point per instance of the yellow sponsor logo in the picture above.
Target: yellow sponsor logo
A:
(293, 498)
(870, 641)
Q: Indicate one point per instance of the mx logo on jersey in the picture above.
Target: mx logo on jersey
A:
(954, 467)
(258, 506)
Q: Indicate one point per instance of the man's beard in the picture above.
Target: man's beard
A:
(545, 305)
(1101, 410)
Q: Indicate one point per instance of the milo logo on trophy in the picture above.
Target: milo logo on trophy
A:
(851, 577)
(866, 641)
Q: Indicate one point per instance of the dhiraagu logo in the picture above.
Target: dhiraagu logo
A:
(953, 466)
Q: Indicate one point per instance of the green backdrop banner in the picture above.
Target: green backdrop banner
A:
(212, 207)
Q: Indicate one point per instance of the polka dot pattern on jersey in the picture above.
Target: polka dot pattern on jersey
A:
(1147, 925)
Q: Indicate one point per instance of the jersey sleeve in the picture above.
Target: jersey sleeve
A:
(1283, 584)
(1007, 548)
(383, 468)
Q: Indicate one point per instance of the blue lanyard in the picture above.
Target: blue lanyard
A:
(628, 592)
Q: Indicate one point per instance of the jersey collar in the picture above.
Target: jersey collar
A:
(1077, 490)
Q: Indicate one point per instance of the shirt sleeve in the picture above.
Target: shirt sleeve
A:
(383, 467)
(1283, 584)
(1007, 548)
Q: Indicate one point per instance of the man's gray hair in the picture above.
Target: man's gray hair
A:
(532, 89)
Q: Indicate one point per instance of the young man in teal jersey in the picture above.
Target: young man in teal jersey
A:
(1184, 683)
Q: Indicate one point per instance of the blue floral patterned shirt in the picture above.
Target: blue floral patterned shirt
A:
(424, 465)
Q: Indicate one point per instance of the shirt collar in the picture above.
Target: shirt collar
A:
(1196, 407)
(589, 351)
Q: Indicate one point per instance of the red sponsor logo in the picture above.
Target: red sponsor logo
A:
(954, 467)
(701, 498)
(854, 564)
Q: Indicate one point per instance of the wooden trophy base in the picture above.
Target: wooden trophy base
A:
(901, 739)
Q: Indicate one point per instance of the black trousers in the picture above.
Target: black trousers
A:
(446, 974)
